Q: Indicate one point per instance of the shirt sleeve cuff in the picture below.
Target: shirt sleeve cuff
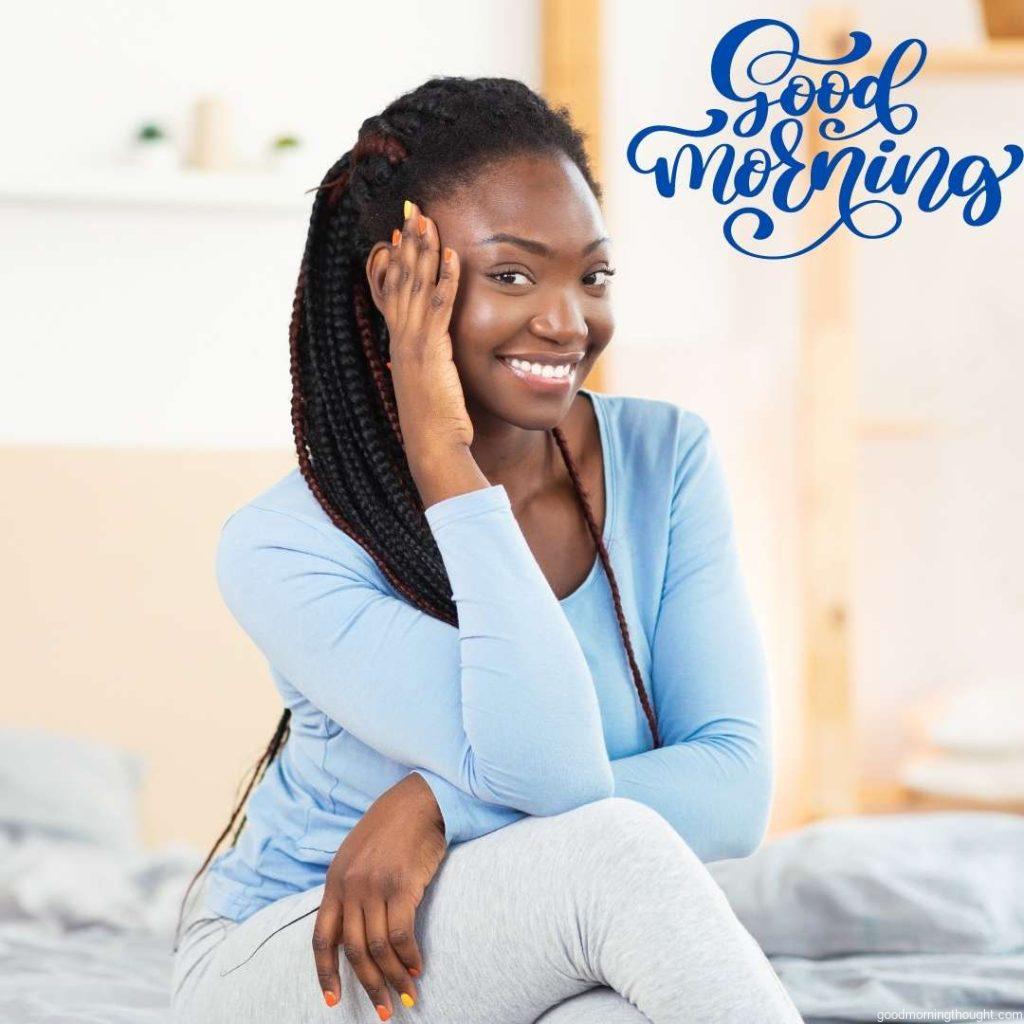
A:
(463, 506)
(449, 799)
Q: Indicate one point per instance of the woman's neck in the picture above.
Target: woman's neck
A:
(523, 461)
(526, 462)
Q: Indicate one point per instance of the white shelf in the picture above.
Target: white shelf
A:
(254, 190)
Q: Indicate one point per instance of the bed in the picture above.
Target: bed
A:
(860, 916)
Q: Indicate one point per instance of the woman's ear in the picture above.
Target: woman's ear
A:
(376, 268)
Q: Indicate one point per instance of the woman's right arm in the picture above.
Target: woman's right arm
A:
(503, 707)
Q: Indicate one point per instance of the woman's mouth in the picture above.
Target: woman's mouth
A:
(547, 375)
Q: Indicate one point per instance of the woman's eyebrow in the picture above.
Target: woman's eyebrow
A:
(531, 245)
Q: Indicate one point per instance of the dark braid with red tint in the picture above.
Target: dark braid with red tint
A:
(426, 144)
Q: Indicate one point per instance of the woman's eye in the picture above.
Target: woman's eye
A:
(606, 271)
(510, 273)
(509, 277)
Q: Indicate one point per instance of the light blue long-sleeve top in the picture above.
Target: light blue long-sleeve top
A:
(528, 706)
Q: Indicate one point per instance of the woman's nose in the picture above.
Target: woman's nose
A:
(561, 321)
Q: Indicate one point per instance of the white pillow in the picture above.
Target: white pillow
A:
(986, 718)
(70, 788)
(993, 779)
(943, 882)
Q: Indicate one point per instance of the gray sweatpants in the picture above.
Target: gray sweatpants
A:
(601, 915)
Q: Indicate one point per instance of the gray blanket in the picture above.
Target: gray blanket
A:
(860, 917)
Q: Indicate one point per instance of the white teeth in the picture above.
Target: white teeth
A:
(546, 370)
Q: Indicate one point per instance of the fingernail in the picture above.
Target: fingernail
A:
(421, 224)
(330, 998)
(396, 236)
(388, 365)
(447, 259)
(413, 971)
(407, 210)
(407, 1000)
(384, 1013)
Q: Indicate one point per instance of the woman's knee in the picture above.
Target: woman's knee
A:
(617, 821)
(612, 836)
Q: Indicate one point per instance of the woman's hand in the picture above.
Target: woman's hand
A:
(418, 295)
(374, 885)
(417, 308)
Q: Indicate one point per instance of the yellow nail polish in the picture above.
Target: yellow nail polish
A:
(407, 1000)
(407, 210)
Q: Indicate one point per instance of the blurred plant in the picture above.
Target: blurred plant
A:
(150, 132)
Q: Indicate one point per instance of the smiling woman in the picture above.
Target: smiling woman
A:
(498, 770)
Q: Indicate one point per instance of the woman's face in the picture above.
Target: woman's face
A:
(533, 252)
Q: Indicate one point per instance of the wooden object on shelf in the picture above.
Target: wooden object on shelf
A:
(1004, 19)
(211, 135)
(571, 76)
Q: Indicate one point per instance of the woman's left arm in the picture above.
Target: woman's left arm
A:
(712, 778)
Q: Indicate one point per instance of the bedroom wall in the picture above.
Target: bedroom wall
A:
(145, 387)
(939, 602)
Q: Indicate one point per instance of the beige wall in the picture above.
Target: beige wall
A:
(116, 630)
(114, 626)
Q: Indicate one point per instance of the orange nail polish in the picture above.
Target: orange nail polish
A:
(413, 972)
(384, 1013)
(396, 236)
(330, 998)
(421, 224)
(447, 254)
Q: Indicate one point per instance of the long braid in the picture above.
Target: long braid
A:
(613, 583)
(344, 415)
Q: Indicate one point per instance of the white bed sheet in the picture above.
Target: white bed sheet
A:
(86, 932)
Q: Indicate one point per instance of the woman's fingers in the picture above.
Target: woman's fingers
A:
(408, 254)
(326, 937)
(411, 280)
(442, 296)
(425, 273)
(379, 943)
(392, 280)
(401, 913)
(353, 932)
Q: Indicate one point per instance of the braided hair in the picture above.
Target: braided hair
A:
(427, 143)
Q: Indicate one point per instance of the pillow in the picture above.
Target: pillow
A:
(997, 780)
(69, 788)
(944, 882)
(987, 718)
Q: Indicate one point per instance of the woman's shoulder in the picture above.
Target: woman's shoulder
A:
(649, 433)
(286, 517)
